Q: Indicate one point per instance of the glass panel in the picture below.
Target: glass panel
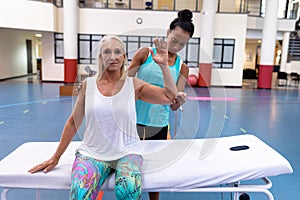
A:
(229, 6)
(119, 4)
(84, 49)
(59, 36)
(84, 37)
(218, 41)
(59, 60)
(145, 39)
(98, 3)
(95, 49)
(87, 3)
(194, 41)
(292, 12)
(182, 55)
(217, 55)
(94, 61)
(165, 5)
(132, 48)
(132, 38)
(253, 7)
(216, 65)
(226, 41)
(227, 66)
(97, 37)
(228, 54)
(124, 38)
(145, 44)
(193, 5)
(193, 53)
(184, 4)
(83, 61)
(59, 48)
(200, 3)
(140, 4)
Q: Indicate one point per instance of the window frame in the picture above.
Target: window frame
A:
(58, 37)
(141, 41)
(221, 63)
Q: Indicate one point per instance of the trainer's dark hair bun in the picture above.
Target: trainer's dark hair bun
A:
(186, 15)
(184, 21)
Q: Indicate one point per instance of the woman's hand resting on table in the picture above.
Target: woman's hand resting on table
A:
(45, 166)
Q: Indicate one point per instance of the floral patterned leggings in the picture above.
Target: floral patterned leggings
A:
(88, 175)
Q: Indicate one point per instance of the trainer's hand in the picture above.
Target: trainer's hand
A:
(44, 166)
(179, 100)
(181, 97)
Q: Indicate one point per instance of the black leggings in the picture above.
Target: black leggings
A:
(151, 132)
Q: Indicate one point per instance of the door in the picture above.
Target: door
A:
(29, 56)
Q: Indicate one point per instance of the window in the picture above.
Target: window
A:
(191, 52)
(88, 48)
(193, 5)
(58, 48)
(223, 53)
(57, 3)
(133, 43)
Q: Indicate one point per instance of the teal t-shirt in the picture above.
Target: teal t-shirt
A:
(154, 114)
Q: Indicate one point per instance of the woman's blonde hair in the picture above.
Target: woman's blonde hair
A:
(100, 64)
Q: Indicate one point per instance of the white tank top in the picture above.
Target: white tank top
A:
(110, 123)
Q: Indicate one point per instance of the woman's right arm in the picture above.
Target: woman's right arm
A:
(154, 94)
(181, 82)
(139, 58)
(70, 129)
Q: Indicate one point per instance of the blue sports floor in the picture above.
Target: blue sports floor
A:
(33, 111)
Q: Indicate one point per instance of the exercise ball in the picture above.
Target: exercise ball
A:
(192, 80)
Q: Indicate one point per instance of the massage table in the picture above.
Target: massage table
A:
(186, 165)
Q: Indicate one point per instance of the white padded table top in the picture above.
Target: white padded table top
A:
(168, 164)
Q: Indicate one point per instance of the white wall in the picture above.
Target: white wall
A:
(124, 22)
(25, 14)
(231, 77)
(13, 55)
(51, 71)
(257, 34)
(294, 67)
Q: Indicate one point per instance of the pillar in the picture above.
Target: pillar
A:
(268, 46)
(70, 40)
(206, 43)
